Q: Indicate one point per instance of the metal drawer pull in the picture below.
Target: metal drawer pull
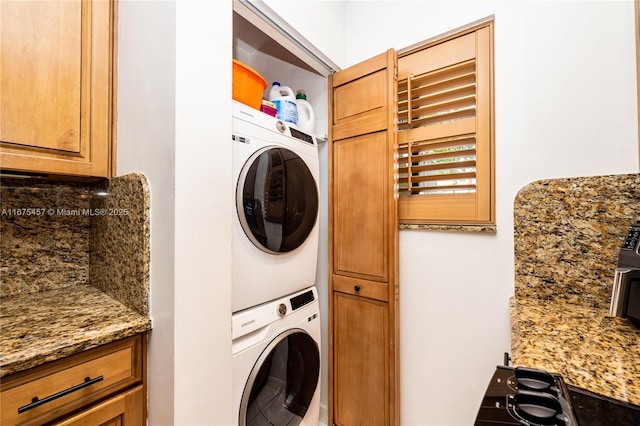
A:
(36, 402)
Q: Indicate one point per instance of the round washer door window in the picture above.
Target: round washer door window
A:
(277, 200)
(281, 385)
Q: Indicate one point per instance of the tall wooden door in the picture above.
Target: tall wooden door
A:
(363, 341)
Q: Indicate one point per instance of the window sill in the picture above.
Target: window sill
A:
(484, 229)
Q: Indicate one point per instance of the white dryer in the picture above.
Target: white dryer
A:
(276, 362)
(275, 229)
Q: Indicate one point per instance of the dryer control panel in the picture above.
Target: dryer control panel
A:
(302, 136)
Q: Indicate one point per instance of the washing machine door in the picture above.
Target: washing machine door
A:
(281, 385)
(276, 200)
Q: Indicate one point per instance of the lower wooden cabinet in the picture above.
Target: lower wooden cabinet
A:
(125, 409)
(361, 360)
(104, 385)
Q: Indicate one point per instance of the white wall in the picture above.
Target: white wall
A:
(565, 106)
(204, 192)
(174, 99)
(321, 22)
(146, 143)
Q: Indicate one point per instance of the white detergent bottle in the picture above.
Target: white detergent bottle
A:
(306, 118)
(274, 92)
(286, 107)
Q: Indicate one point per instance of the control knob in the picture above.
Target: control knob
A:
(539, 408)
(535, 380)
(282, 309)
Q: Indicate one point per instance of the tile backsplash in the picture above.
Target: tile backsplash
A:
(567, 234)
(55, 235)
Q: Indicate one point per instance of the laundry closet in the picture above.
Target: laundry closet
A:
(354, 293)
(280, 288)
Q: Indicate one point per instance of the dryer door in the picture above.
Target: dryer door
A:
(281, 385)
(276, 200)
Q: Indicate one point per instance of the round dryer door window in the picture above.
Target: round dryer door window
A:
(281, 385)
(277, 200)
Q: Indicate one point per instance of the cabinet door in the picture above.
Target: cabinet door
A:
(361, 370)
(56, 82)
(360, 203)
(363, 235)
(125, 409)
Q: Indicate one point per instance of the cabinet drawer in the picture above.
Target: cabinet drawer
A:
(359, 287)
(52, 390)
(123, 409)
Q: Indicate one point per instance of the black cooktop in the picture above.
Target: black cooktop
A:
(596, 410)
(526, 396)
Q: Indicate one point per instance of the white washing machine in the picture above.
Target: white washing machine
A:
(275, 229)
(276, 362)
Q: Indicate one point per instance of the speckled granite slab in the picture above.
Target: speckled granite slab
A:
(55, 235)
(119, 241)
(77, 277)
(488, 229)
(40, 327)
(567, 234)
(43, 245)
(587, 347)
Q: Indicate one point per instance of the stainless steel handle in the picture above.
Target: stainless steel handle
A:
(620, 291)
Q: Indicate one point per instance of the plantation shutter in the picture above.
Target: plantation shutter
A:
(445, 143)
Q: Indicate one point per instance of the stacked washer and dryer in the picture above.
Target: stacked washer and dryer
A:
(276, 324)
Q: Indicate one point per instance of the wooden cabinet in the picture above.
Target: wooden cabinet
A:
(93, 387)
(361, 360)
(363, 319)
(124, 409)
(57, 86)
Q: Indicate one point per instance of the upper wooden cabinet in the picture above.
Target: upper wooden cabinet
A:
(57, 84)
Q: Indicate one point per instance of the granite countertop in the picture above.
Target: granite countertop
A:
(49, 325)
(590, 349)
